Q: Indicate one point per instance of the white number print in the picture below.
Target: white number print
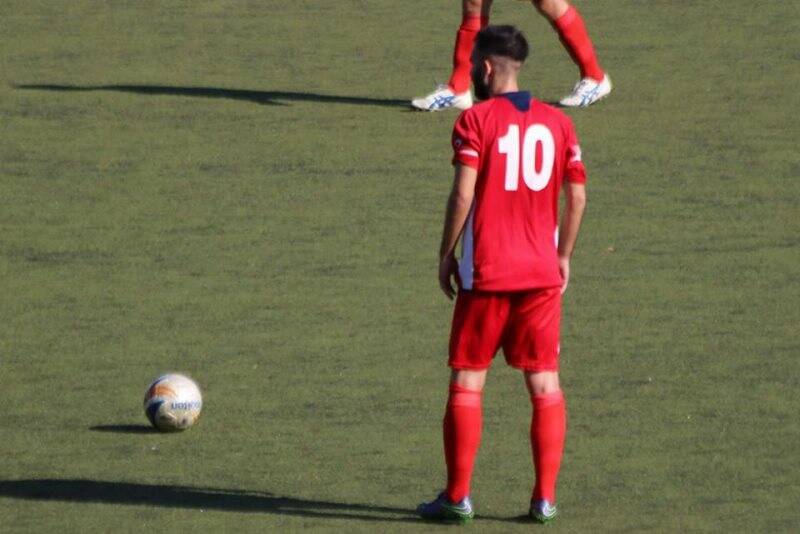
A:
(509, 145)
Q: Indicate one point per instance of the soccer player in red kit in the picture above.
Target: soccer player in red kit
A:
(513, 155)
(593, 85)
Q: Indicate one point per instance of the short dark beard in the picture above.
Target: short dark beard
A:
(481, 90)
(480, 86)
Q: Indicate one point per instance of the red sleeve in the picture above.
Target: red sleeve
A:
(574, 171)
(466, 143)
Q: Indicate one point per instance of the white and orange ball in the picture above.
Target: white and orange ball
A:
(173, 403)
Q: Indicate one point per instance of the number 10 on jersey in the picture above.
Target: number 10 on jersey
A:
(510, 146)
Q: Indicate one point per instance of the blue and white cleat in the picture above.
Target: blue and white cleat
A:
(441, 509)
(542, 510)
(586, 92)
(443, 98)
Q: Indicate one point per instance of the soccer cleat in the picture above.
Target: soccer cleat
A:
(441, 509)
(443, 98)
(542, 511)
(586, 92)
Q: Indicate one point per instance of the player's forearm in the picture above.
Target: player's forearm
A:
(571, 220)
(458, 206)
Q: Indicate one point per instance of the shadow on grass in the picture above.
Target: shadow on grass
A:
(273, 98)
(128, 493)
(125, 429)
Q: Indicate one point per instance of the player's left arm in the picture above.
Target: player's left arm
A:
(458, 205)
(575, 193)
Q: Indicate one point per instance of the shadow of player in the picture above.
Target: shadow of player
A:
(129, 493)
(125, 429)
(259, 97)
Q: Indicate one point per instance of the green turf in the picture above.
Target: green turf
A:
(235, 190)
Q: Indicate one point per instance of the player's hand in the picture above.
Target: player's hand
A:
(563, 266)
(447, 268)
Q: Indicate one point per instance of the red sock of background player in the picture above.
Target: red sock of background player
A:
(465, 40)
(462, 435)
(573, 34)
(548, 428)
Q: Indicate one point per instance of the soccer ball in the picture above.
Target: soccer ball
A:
(173, 402)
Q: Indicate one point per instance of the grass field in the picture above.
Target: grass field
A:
(236, 190)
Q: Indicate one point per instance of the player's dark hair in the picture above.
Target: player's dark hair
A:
(505, 41)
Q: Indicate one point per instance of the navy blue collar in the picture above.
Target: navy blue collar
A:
(520, 99)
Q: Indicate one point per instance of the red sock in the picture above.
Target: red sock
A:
(462, 435)
(465, 39)
(548, 428)
(573, 34)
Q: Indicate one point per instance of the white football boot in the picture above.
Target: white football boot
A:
(586, 92)
(443, 98)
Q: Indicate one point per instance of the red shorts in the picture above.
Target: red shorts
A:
(525, 324)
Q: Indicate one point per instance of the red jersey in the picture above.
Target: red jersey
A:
(522, 149)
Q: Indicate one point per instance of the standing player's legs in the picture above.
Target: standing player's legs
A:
(568, 23)
(474, 17)
(456, 94)
(531, 344)
(479, 320)
(462, 430)
(548, 430)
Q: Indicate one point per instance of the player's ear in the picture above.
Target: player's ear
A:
(488, 68)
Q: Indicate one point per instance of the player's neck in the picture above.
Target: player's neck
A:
(504, 85)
